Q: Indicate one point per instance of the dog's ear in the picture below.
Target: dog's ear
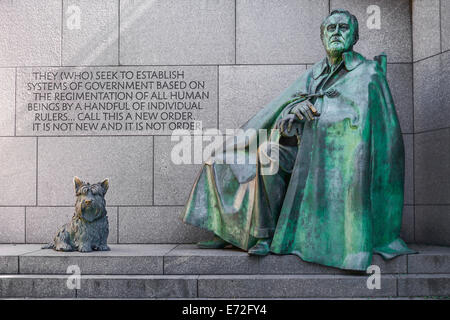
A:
(77, 183)
(105, 184)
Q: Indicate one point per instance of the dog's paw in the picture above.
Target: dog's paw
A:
(63, 247)
(85, 249)
(102, 248)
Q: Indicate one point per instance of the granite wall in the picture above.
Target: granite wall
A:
(431, 75)
(247, 51)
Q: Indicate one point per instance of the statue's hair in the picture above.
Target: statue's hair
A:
(353, 20)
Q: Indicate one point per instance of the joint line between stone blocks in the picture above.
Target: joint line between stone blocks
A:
(440, 26)
(235, 31)
(37, 168)
(118, 32)
(117, 225)
(62, 34)
(15, 101)
(25, 225)
(218, 97)
(153, 170)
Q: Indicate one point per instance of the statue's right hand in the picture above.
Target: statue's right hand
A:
(285, 124)
(305, 111)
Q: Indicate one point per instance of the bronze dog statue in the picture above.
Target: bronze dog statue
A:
(89, 227)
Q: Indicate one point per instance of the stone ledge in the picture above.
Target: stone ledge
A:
(9, 264)
(431, 259)
(138, 287)
(122, 259)
(9, 256)
(293, 286)
(425, 285)
(189, 260)
(224, 286)
(35, 286)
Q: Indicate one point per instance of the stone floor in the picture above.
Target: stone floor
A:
(183, 271)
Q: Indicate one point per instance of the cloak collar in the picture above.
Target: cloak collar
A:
(352, 59)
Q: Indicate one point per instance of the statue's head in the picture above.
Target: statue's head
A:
(339, 32)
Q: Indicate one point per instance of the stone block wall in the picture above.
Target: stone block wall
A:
(431, 75)
(246, 51)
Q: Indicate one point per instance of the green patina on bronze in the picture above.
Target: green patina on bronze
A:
(338, 196)
(89, 228)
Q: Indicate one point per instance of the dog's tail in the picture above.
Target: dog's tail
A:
(50, 245)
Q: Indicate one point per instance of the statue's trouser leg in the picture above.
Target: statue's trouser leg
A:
(271, 192)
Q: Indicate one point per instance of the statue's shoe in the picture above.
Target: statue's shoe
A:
(261, 248)
(216, 243)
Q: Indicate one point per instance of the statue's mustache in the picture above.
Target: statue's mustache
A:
(336, 38)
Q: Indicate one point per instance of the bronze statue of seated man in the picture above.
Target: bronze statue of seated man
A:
(337, 197)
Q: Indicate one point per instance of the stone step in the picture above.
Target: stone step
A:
(170, 259)
(183, 271)
(224, 286)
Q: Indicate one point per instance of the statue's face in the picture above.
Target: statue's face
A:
(338, 34)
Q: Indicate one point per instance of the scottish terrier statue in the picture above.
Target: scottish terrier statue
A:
(89, 227)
